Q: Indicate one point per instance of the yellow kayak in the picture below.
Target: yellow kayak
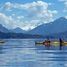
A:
(57, 43)
(54, 43)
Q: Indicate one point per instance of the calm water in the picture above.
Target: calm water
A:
(24, 53)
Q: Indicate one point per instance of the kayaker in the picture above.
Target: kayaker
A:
(61, 43)
(46, 43)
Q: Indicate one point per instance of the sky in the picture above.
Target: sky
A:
(28, 14)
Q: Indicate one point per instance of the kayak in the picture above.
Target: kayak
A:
(38, 42)
(54, 43)
(57, 43)
(1, 41)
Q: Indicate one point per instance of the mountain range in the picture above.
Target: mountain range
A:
(15, 33)
(56, 28)
(3, 29)
(18, 30)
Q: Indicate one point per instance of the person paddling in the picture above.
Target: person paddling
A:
(46, 43)
(61, 43)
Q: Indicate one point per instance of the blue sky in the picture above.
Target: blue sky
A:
(28, 14)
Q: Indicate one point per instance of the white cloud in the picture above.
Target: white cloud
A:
(66, 17)
(10, 23)
(8, 6)
(20, 17)
(13, 15)
(33, 5)
(55, 12)
(36, 14)
(7, 21)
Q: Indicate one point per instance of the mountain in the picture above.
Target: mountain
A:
(18, 30)
(57, 26)
(17, 36)
(15, 33)
(3, 29)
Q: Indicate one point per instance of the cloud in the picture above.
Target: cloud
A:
(35, 13)
(7, 21)
(9, 5)
(20, 17)
(54, 12)
(10, 23)
(66, 17)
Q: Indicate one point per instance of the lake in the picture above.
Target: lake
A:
(24, 53)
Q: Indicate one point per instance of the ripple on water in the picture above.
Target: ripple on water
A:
(21, 54)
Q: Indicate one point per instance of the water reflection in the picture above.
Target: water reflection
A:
(1, 50)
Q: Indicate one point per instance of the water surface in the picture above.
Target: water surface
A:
(24, 53)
